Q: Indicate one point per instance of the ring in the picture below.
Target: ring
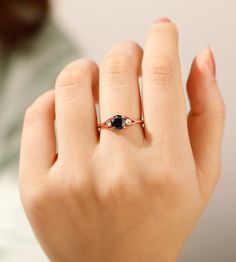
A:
(119, 122)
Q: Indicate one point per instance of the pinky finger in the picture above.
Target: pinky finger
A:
(38, 145)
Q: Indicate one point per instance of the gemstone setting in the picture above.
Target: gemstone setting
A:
(118, 122)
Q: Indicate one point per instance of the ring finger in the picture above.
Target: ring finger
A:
(119, 92)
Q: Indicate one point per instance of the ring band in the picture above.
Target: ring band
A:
(119, 122)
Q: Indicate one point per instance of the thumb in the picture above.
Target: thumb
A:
(206, 119)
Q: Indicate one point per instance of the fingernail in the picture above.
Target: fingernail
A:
(205, 61)
(211, 62)
(162, 20)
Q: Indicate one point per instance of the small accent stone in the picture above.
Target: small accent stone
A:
(108, 123)
(128, 121)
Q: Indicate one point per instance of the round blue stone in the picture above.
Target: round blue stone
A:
(118, 122)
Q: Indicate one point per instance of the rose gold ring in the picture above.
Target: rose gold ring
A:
(119, 122)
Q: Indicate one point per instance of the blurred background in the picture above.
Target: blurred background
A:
(37, 41)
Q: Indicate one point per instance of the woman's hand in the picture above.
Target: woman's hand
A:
(133, 194)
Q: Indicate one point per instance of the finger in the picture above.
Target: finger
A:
(119, 89)
(206, 119)
(163, 99)
(38, 146)
(75, 108)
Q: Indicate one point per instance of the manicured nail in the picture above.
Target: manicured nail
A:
(162, 20)
(211, 62)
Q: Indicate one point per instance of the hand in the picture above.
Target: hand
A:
(133, 194)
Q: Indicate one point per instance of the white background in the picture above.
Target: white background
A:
(96, 25)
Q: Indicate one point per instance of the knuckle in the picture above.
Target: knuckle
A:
(219, 112)
(221, 109)
(163, 182)
(166, 175)
(115, 65)
(35, 202)
(113, 190)
(33, 114)
(74, 180)
(73, 77)
(40, 109)
(161, 174)
(79, 187)
(160, 70)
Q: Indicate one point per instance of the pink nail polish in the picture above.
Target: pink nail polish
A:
(212, 63)
(162, 20)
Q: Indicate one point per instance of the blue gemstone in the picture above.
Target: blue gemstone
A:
(118, 122)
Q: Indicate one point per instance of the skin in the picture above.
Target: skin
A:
(129, 195)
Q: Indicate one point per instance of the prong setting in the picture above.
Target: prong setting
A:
(118, 122)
